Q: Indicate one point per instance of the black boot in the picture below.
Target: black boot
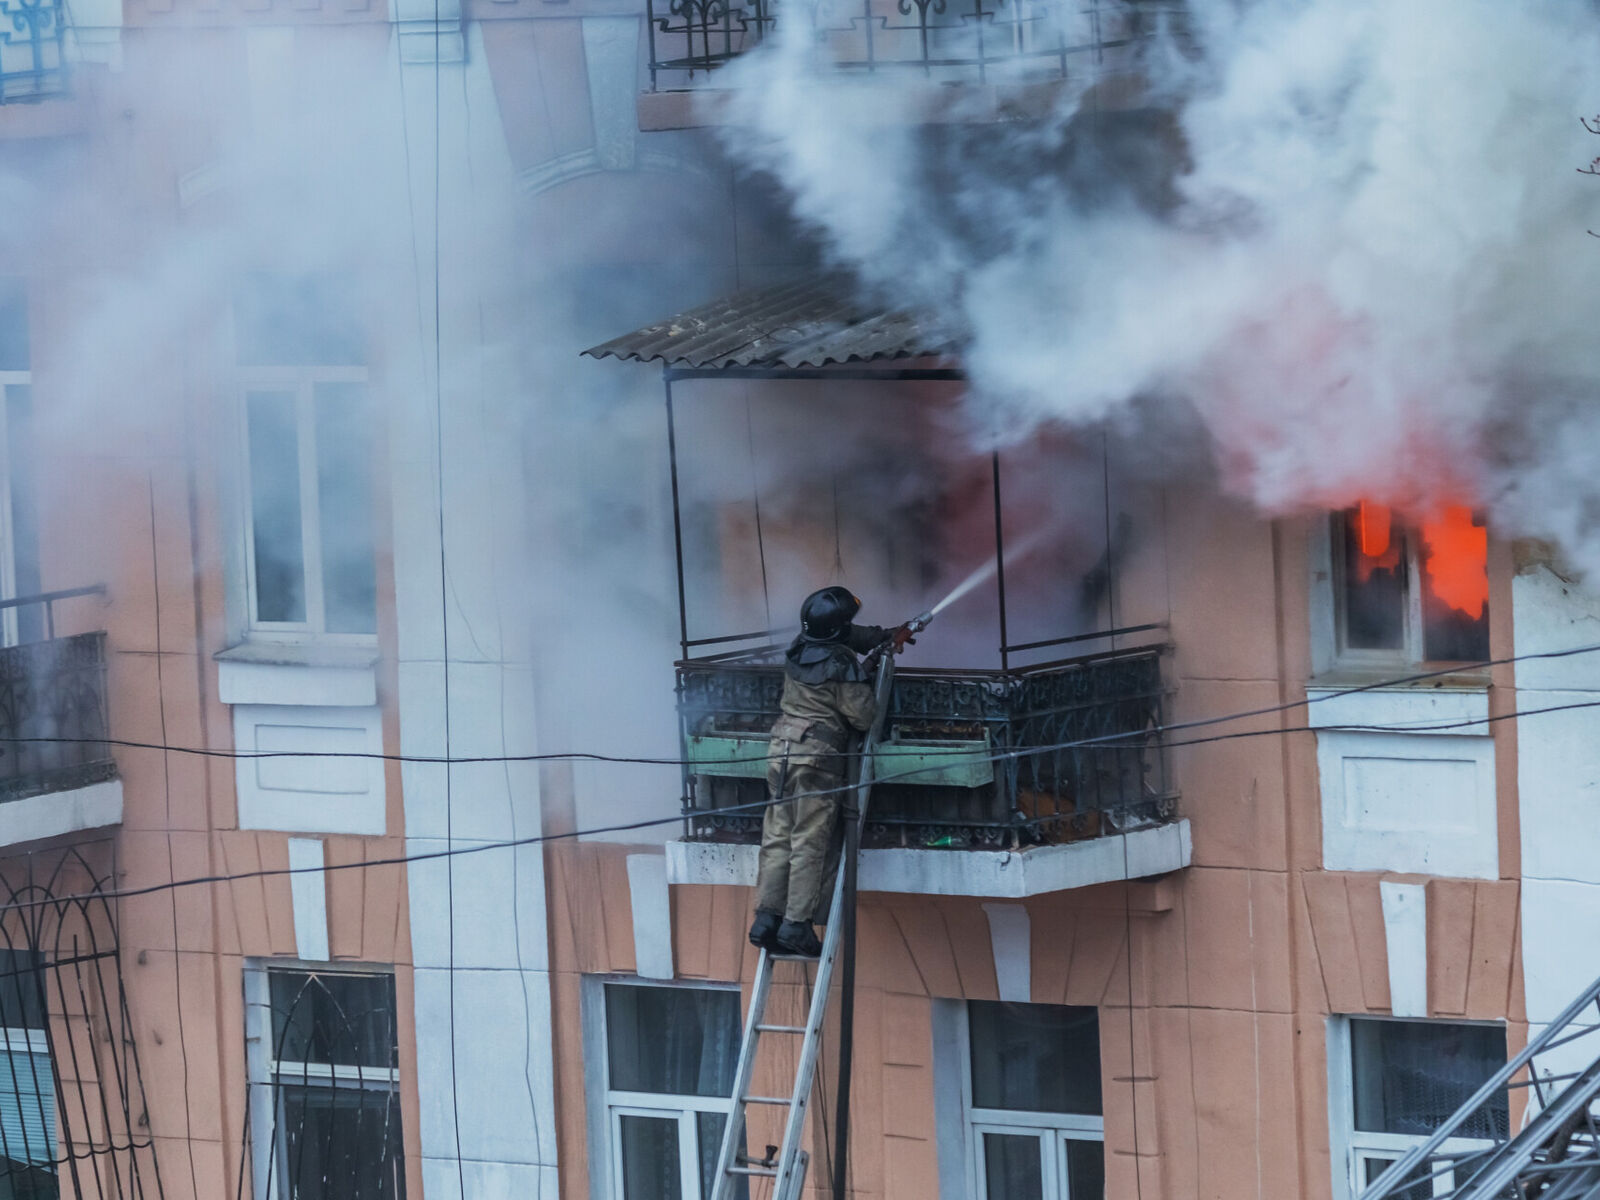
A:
(797, 937)
(763, 930)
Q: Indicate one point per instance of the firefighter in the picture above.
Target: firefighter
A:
(827, 702)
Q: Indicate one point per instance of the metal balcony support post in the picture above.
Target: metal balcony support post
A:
(677, 515)
(1000, 565)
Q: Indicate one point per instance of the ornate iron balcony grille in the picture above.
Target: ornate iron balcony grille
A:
(32, 66)
(942, 40)
(940, 784)
(50, 690)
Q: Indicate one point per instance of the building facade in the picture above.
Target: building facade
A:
(307, 491)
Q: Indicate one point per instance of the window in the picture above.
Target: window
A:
(670, 1054)
(1410, 592)
(1035, 1126)
(1405, 1078)
(324, 1097)
(27, 1084)
(308, 461)
(19, 534)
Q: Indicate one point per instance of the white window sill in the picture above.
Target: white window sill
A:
(304, 674)
(1452, 704)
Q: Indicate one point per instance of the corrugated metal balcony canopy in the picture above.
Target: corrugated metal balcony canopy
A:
(792, 326)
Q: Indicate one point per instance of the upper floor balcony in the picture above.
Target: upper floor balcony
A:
(1019, 48)
(57, 775)
(1048, 771)
(32, 50)
(1007, 770)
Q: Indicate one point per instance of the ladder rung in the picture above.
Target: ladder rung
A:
(767, 1100)
(781, 1028)
(805, 958)
(751, 1171)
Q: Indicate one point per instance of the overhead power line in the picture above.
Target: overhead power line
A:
(758, 806)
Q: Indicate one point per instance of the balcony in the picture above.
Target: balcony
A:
(1015, 42)
(56, 774)
(32, 64)
(1054, 775)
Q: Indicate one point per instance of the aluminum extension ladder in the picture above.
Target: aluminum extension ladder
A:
(1555, 1155)
(788, 1169)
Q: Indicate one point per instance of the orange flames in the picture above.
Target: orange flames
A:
(1454, 552)
(1456, 558)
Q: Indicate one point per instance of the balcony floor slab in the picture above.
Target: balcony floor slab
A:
(53, 814)
(993, 874)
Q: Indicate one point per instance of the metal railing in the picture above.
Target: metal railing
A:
(941, 40)
(53, 711)
(947, 777)
(32, 36)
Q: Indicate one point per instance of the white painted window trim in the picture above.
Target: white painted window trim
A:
(301, 381)
(1349, 1146)
(1329, 655)
(268, 1178)
(979, 1121)
(606, 1105)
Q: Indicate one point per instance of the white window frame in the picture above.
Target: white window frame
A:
(1330, 645)
(1064, 1126)
(301, 381)
(617, 1103)
(268, 1160)
(1350, 1146)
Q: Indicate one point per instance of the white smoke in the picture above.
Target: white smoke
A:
(1354, 245)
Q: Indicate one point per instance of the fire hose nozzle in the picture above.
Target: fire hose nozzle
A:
(918, 623)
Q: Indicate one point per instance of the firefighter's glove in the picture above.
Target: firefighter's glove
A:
(902, 637)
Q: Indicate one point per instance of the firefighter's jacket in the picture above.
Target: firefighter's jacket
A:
(827, 698)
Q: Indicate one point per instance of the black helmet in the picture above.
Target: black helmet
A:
(826, 615)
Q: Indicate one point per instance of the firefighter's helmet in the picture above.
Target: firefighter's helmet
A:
(826, 615)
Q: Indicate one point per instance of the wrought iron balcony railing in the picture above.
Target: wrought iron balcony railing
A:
(32, 37)
(941, 40)
(945, 778)
(53, 713)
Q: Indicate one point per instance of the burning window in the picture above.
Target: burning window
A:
(1416, 591)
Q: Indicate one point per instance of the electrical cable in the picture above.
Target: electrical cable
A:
(1107, 740)
(753, 807)
(444, 594)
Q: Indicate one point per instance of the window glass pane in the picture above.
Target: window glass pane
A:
(1013, 1167)
(24, 514)
(21, 984)
(13, 323)
(1086, 1169)
(27, 1107)
(275, 507)
(328, 1018)
(1455, 587)
(1035, 1057)
(681, 1041)
(344, 507)
(342, 1143)
(1373, 1168)
(19, 1181)
(1374, 570)
(1409, 1076)
(709, 1126)
(296, 321)
(650, 1158)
